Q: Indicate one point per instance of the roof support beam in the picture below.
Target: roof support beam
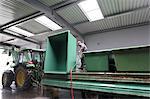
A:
(65, 3)
(17, 21)
(52, 15)
(7, 44)
(23, 38)
(8, 40)
(20, 20)
(117, 28)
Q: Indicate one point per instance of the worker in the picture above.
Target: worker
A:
(80, 57)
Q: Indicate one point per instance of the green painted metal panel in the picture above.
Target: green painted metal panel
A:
(119, 88)
(60, 51)
(133, 60)
(96, 61)
(71, 52)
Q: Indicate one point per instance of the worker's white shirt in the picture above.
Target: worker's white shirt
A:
(81, 47)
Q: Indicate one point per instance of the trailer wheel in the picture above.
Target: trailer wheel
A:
(22, 78)
(7, 78)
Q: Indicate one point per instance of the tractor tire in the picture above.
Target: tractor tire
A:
(7, 78)
(22, 78)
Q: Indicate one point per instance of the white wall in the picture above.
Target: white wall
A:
(121, 38)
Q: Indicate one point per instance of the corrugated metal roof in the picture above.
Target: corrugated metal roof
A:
(110, 7)
(4, 37)
(33, 26)
(135, 17)
(12, 9)
(18, 42)
(50, 2)
(72, 14)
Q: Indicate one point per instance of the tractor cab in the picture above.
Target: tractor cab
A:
(31, 57)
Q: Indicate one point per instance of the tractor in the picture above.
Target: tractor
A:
(27, 67)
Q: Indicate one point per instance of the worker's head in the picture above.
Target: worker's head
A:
(79, 42)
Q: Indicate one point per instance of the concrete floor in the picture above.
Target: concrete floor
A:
(54, 93)
(36, 93)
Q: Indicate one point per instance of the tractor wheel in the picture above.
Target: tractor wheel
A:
(22, 78)
(7, 78)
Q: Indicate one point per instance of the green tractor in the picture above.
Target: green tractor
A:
(27, 68)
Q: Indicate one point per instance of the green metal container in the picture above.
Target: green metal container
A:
(133, 59)
(60, 53)
(96, 61)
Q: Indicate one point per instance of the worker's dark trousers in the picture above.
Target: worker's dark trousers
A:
(80, 63)
(83, 66)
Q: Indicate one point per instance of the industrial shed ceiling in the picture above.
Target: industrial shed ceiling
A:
(72, 14)
(18, 42)
(118, 14)
(12, 9)
(134, 17)
(4, 38)
(51, 2)
(33, 27)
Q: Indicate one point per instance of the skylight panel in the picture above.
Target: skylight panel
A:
(20, 31)
(48, 23)
(91, 9)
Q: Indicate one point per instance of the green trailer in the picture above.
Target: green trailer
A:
(134, 59)
(61, 59)
(97, 61)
